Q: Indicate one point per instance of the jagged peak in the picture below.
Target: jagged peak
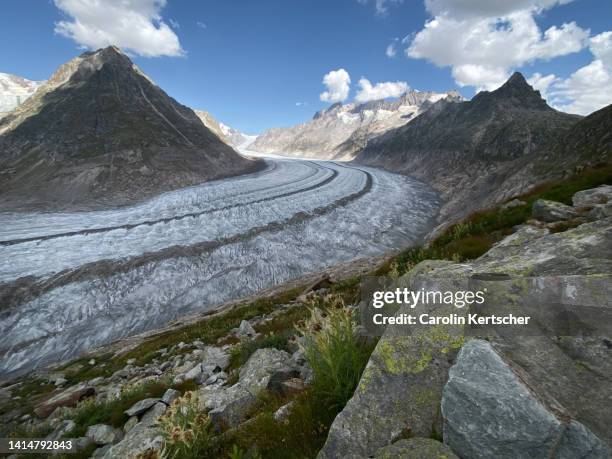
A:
(516, 90)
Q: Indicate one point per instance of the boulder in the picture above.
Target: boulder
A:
(151, 417)
(140, 407)
(552, 211)
(490, 411)
(593, 196)
(102, 434)
(292, 387)
(215, 356)
(130, 424)
(416, 448)
(69, 397)
(259, 370)
(512, 204)
(281, 414)
(194, 373)
(228, 406)
(246, 329)
(136, 443)
(170, 395)
(63, 428)
(600, 211)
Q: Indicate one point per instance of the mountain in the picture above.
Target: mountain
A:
(341, 130)
(476, 152)
(100, 133)
(14, 90)
(229, 135)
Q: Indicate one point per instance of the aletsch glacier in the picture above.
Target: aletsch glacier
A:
(94, 277)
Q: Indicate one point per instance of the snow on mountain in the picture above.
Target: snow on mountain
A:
(229, 135)
(340, 131)
(14, 90)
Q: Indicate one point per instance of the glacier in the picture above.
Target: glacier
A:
(70, 282)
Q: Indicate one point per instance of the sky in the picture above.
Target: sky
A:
(271, 63)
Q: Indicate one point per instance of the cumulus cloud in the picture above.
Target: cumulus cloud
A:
(134, 25)
(483, 40)
(338, 84)
(542, 83)
(590, 87)
(379, 91)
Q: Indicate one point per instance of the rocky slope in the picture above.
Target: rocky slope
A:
(229, 135)
(14, 90)
(476, 152)
(101, 133)
(532, 391)
(341, 130)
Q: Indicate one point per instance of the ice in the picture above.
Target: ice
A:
(259, 230)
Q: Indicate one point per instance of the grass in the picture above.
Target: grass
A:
(476, 234)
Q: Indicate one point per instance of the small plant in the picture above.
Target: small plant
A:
(239, 453)
(186, 429)
(335, 353)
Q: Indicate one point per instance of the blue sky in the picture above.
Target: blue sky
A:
(250, 63)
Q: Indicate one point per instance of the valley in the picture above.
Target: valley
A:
(82, 279)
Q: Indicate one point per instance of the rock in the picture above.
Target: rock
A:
(400, 389)
(129, 425)
(140, 407)
(292, 387)
(59, 382)
(102, 434)
(257, 373)
(512, 204)
(246, 329)
(63, 428)
(220, 377)
(194, 373)
(228, 406)
(416, 448)
(5, 395)
(96, 381)
(601, 211)
(101, 452)
(282, 413)
(593, 197)
(552, 211)
(69, 397)
(170, 395)
(150, 417)
(82, 443)
(489, 411)
(215, 356)
(92, 362)
(131, 361)
(141, 441)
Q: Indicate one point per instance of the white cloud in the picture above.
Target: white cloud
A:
(201, 25)
(134, 25)
(380, 90)
(487, 8)
(338, 86)
(175, 24)
(589, 88)
(543, 83)
(391, 50)
(482, 40)
(301, 104)
(382, 6)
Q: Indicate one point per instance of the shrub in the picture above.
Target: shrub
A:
(335, 353)
(186, 429)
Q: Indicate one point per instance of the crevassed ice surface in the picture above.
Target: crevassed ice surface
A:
(247, 233)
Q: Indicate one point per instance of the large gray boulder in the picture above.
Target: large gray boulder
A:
(138, 441)
(215, 357)
(490, 411)
(102, 434)
(416, 448)
(593, 197)
(140, 407)
(227, 406)
(264, 366)
(552, 211)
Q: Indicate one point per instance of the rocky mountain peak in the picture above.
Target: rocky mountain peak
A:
(517, 92)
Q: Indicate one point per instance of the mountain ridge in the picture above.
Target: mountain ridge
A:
(100, 133)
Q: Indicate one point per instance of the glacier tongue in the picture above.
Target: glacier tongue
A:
(99, 276)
